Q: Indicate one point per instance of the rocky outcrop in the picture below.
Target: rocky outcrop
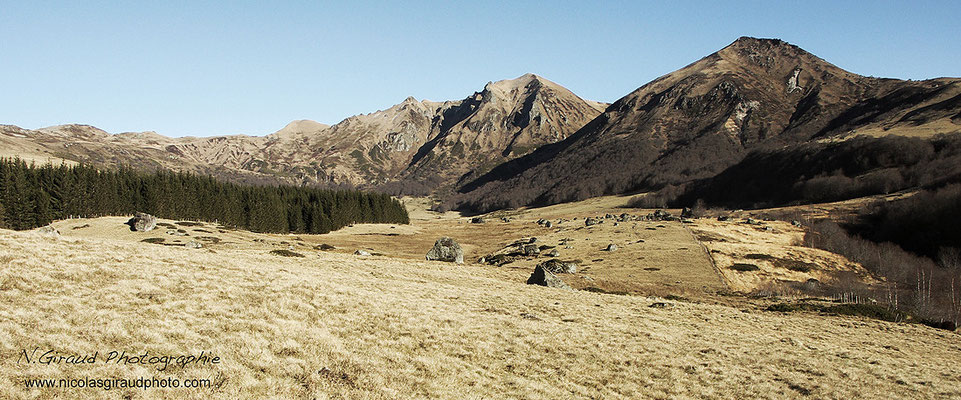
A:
(446, 249)
(48, 230)
(559, 267)
(142, 222)
(543, 277)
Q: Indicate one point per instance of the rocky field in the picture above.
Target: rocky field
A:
(290, 320)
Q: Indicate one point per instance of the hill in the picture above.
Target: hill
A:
(416, 146)
(706, 117)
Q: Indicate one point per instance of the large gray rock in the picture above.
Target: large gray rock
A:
(48, 230)
(446, 249)
(142, 222)
(544, 277)
(559, 267)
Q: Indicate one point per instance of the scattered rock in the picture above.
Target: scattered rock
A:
(548, 224)
(660, 305)
(324, 247)
(361, 252)
(286, 253)
(532, 240)
(477, 220)
(529, 316)
(796, 223)
(590, 221)
(544, 277)
(553, 253)
(530, 250)
(48, 230)
(723, 218)
(611, 247)
(193, 245)
(559, 267)
(660, 215)
(446, 249)
(174, 232)
(142, 222)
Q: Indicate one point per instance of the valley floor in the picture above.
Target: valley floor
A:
(335, 325)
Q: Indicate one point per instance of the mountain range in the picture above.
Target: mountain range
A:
(529, 141)
(413, 146)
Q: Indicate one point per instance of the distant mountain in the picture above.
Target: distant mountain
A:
(700, 120)
(413, 146)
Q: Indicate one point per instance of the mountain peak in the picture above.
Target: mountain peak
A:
(301, 126)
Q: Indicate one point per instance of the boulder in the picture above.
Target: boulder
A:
(532, 240)
(193, 245)
(611, 247)
(477, 220)
(556, 266)
(530, 250)
(544, 277)
(446, 249)
(548, 224)
(687, 213)
(361, 252)
(142, 222)
(590, 221)
(48, 230)
(553, 253)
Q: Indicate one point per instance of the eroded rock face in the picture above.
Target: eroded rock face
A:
(142, 222)
(446, 249)
(543, 277)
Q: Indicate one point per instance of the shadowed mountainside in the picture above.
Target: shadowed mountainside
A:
(697, 121)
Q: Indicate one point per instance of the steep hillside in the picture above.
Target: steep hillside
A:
(697, 121)
(412, 146)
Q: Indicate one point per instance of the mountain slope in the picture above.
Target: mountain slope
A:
(412, 146)
(697, 121)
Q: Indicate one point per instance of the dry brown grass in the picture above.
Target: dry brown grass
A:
(334, 325)
(776, 252)
(338, 326)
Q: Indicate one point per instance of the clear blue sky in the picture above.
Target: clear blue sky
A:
(195, 68)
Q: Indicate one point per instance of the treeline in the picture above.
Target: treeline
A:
(924, 287)
(822, 172)
(925, 223)
(33, 196)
